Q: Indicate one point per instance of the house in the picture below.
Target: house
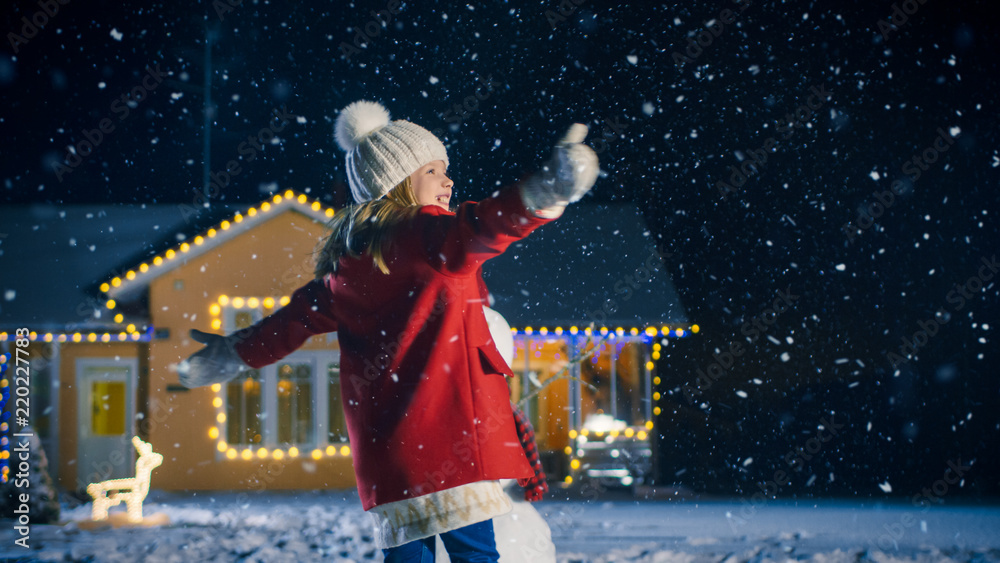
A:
(109, 293)
(592, 285)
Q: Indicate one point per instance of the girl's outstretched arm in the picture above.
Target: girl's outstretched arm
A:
(272, 338)
(308, 313)
(460, 244)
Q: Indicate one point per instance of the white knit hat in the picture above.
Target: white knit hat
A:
(381, 154)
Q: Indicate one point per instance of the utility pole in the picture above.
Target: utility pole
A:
(207, 112)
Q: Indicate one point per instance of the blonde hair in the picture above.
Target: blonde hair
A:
(366, 228)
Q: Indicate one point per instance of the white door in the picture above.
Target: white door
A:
(106, 414)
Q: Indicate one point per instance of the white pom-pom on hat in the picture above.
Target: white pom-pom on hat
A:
(380, 153)
(359, 120)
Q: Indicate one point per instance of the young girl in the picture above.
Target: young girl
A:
(425, 397)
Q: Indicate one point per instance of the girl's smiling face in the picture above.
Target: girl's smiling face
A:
(431, 186)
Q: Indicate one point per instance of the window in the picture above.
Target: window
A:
(107, 405)
(243, 394)
(243, 409)
(631, 393)
(294, 403)
(336, 430)
(614, 386)
(536, 364)
(243, 319)
(617, 383)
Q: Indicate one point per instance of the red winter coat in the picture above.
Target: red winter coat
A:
(423, 385)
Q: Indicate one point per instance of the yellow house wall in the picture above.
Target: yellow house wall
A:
(272, 259)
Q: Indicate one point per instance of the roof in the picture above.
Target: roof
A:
(138, 274)
(597, 263)
(55, 257)
(61, 263)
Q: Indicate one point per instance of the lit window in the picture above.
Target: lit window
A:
(283, 409)
(616, 383)
(108, 408)
(337, 424)
(295, 403)
(538, 362)
(243, 409)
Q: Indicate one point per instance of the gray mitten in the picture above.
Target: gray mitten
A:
(217, 362)
(566, 177)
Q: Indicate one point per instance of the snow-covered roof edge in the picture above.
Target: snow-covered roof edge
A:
(143, 274)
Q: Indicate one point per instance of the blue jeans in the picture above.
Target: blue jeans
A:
(471, 544)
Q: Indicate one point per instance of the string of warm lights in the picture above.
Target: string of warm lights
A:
(130, 334)
(4, 415)
(224, 228)
(248, 452)
(656, 378)
(268, 303)
(650, 331)
(215, 431)
(254, 214)
(584, 435)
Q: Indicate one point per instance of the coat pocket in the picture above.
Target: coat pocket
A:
(492, 361)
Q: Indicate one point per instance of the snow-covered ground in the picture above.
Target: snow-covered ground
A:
(330, 526)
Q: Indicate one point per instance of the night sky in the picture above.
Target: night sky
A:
(831, 112)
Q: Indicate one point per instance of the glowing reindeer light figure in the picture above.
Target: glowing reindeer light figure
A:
(133, 491)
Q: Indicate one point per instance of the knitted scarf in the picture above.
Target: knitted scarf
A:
(534, 487)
